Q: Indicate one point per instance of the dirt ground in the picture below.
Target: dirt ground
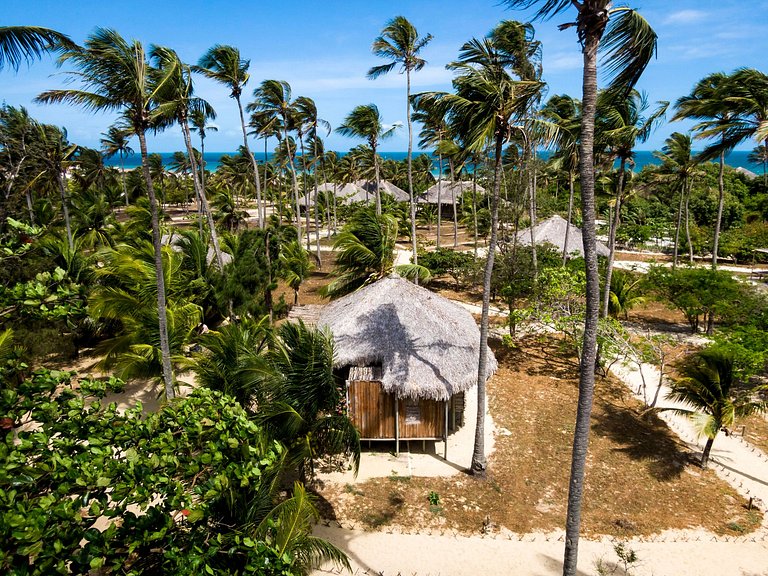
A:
(639, 479)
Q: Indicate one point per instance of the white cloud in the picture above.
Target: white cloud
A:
(563, 62)
(685, 17)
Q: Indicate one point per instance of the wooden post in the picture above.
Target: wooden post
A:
(397, 426)
(445, 436)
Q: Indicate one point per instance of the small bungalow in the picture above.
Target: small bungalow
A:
(407, 356)
(386, 187)
(552, 230)
(448, 191)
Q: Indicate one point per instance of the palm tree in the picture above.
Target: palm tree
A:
(565, 112)
(115, 75)
(295, 267)
(224, 65)
(25, 43)
(629, 44)
(198, 122)
(487, 104)
(57, 155)
(400, 42)
(306, 116)
(176, 103)
(434, 131)
(273, 101)
(759, 155)
(709, 387)
(621, 126)
(680, 165)
(365, 122)
(365, 250)
(115, 141)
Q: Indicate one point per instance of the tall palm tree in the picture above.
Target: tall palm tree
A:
(709, 387)
(707, 103)
(565, 112)
(433, 132)
(621, 126)
(489, 101)
(198, 122)
(629, 43)
(115, 75)
(25, 43)
(116, 141)
(306, 116)
(680, 165)
(365, 122)
(224, 65)
(57, 155)
(400, 43)
(759, 155)
(176, 103)
(272, 100)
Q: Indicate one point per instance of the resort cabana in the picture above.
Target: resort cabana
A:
(345, 193)
(407, 356)
(448, 191)
(552, 231)
(384, 186)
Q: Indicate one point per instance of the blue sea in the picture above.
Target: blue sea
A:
(642, 157)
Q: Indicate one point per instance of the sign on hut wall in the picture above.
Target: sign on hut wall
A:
(412, 411)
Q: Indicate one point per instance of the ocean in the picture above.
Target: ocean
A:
(642, 157)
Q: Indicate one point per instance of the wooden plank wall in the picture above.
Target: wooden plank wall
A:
(373, 413)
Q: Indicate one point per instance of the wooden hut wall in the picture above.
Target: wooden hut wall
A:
(373, 413)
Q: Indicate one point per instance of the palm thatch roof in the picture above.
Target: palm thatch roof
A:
(426, 345)
(448, 190)
(384, 186)
(552, 230)
(346, 193)
(748, 173)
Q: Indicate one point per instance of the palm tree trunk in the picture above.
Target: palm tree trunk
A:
(570, 217)
(439, 198)
(294, 181)
(474, 204)
(615, 221)
(589, 343)
(30, 206)
(679, 225)
(317, 213)
(411, 199)
(453, 202)
(531, 209)
(376, 174)
(479, 463)
(200, 209)
(255, 166)
(61, 177)
(266, 162)
(306, 192)
(165, 350)
(122, 177)
(687, 225)
(201, 194)
(720, 202)
(707, 450)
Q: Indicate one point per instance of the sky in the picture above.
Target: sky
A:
(323, 49)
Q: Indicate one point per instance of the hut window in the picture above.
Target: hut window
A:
(412, 411)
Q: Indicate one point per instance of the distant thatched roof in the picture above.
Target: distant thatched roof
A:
(552, 231)
(748, 173)
(427, 346)
(385, 186)
(448, 190)
(345, 193)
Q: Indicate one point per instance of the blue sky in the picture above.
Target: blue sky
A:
(323, 50)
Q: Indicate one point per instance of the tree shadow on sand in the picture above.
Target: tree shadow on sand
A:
(643, 438)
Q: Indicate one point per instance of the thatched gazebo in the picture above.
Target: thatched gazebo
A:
(552, 230)
(385, 186)
(449, 191)
(407, 355)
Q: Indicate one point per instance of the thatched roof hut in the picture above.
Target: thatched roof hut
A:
(448, 191)
(384, 186)
(552, 231)
(345, 193)
(426, 346)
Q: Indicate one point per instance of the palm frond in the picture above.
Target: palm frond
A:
(628, 46)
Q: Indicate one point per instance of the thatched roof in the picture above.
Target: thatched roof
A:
(426, 345)
(448, 190)
(748, 173)
(345, 193)
(385, 186)
(552, 231)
